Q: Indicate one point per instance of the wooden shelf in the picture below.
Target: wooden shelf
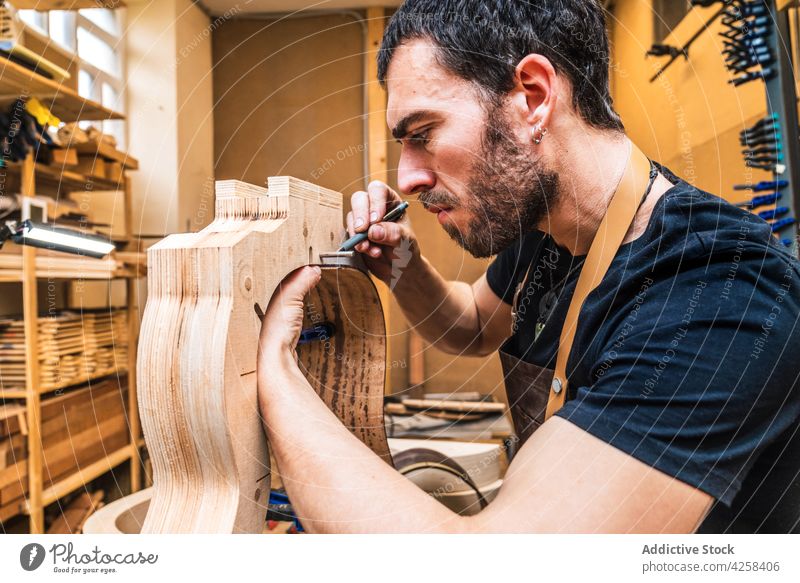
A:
(107, 152)
(74, 181)
(16, 80)
(42, 5)
(86, 475)
(16, 276)
(33, 264)
(21, 393)
(71, 482)
(45, 269)
(56, 179)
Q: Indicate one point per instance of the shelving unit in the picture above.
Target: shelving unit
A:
(67, 4)
(16, 81)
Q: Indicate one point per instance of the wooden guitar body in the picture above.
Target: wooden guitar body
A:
(198, 351)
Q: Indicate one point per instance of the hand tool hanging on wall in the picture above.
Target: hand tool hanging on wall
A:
(755, 35)
(748, 27)
(676, 52)
(763, 185)
(781, 224)
(770, 214)
(762, 200)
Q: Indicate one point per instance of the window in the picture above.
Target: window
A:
(666, 16)
(94, 35)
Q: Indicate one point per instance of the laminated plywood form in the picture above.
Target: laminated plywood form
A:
(198, 351)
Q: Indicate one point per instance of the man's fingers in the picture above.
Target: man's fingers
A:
(369, 207)
(298, 283)
(388, 233)
(378, 193)
(360, 204)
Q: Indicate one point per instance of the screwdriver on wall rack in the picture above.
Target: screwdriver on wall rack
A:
(763, 185)
(762, 200)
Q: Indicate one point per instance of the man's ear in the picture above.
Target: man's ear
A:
(536, 79)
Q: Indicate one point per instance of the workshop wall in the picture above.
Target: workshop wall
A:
(170, 116)
(690, 118)
(289, 99)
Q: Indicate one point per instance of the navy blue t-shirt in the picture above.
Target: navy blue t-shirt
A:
(687, 355)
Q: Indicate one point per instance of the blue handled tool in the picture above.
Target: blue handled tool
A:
(760, 200)
(763, 185)
(320, 332)
(782, 223)
(390, 217)
(773, 213)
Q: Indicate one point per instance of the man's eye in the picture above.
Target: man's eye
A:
(420, 138)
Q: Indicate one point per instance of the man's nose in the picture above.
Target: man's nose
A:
(412, 176)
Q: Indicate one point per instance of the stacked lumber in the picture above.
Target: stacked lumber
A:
(79, 428)
(72, 347)
(106, 152)
(199, 345)
(53, 264)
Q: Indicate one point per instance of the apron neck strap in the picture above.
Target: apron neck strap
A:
(605, 245)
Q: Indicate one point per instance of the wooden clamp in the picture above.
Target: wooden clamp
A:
(198, 351)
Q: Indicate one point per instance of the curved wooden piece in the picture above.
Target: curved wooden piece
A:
(347, 370)
(198, 348)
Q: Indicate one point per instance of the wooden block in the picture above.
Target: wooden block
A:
(65, 157)
(10, 510)
(114, 171)
(12, 450)
(12, 420)
(109, 153)
(449, 406)
(71, 520)
(198, 347)
(91, 166)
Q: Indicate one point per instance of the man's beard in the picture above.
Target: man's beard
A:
(509, 193)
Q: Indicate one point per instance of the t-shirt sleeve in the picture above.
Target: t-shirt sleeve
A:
(509, 266)
(699, 373)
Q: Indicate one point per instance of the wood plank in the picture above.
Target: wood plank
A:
(107, 152)
(86, 475)
(10, 511)
(199, 336)
(32, 399)
(429, 405)
(377, 144)
(70, 459)
(71, 520)
(133, 408)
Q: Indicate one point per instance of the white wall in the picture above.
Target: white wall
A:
(170, 123)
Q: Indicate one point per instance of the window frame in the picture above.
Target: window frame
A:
(99, 77)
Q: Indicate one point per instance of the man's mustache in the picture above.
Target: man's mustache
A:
(437, 198)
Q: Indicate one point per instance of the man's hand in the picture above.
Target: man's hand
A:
(369, 207)
(283, 321)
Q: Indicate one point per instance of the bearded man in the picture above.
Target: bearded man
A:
(647, 329)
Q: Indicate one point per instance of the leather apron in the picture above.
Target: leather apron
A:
(535, 393)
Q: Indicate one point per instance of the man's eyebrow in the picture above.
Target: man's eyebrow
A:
(401, 129)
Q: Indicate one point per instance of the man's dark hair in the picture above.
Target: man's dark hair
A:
(482, 41)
